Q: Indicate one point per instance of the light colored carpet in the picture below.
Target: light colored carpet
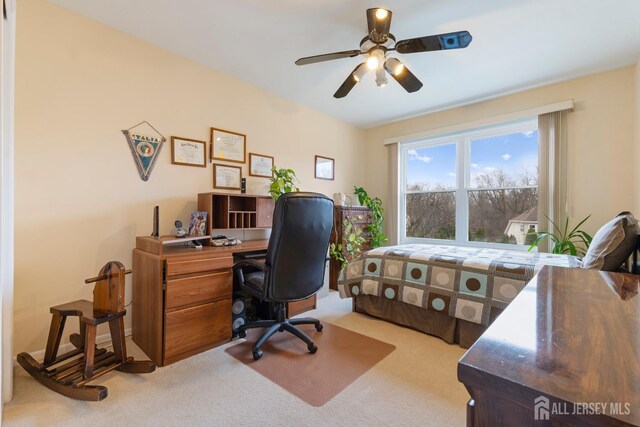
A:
(415, 385)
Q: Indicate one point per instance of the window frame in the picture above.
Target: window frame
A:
(462, 141)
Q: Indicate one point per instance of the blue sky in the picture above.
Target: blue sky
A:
(513, 153)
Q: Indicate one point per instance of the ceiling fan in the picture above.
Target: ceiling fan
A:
(378, 43)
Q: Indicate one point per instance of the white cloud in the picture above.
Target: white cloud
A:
(506, 156)
(451, 174)
(489, 169)
(413, 155)
(475, 165)
(529, 133)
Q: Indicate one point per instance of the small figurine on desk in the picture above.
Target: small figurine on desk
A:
(181, 231)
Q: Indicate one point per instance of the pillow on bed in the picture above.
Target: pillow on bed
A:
(612, 244)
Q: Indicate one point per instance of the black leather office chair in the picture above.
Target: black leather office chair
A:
(294, 266)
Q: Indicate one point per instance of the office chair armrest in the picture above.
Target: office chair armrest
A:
(255, 265)
(245, 266)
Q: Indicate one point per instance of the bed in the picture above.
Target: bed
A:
(452, 292)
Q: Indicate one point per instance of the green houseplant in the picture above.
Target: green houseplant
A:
(283, 181)
(352, 239)
(350, 245)
(377, 216)
(574, 242)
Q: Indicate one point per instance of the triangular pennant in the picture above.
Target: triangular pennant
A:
(145, 149)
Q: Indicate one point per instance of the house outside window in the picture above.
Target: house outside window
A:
(477, 188)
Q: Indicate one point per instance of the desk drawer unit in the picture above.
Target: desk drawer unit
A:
(182, 297)
(203, 288)
(175, 267)
(196, 329)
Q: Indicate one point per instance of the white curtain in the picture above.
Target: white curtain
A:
(391, 213)
(7, 78)
(552, 170)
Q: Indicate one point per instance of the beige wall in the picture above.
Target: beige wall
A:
(601, 142)
(79, 199)
(637, 141)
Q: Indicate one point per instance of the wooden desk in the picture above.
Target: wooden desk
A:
(571, 336)
(182, 297)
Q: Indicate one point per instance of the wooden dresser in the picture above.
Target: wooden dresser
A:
(362, 219)
(566, 351)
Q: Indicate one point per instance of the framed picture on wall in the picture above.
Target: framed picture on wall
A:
(324, 168)
(188, 152)
(228, 146)
(260, 165)
(227, 177)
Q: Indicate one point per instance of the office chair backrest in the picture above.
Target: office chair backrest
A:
(297, 251)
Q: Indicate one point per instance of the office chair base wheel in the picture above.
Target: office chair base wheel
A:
(257, 354)
(319, 327)
(312, 348)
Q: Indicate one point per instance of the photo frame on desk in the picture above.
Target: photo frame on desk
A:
(228, 146)
(197, 224)
(227, 177)
(188, 152)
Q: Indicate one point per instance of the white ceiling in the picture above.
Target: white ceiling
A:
(516, 44)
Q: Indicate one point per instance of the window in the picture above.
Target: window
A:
(478, 187)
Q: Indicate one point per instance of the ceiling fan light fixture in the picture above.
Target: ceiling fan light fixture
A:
(376, 59)
(394, 66)
(378, 42)
(372, 62)
(381, 77)
(381, 13)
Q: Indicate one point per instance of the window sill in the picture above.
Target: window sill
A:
(488, 245)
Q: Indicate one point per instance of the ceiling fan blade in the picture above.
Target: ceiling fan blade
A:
(457, 40)
(402, 75)
(328, 57)
(379, 24)
(351, 81)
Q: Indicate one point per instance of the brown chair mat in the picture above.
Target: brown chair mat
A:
(342, 357)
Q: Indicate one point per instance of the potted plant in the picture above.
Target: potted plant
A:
(377, 216)
(352, 240)
(283, 181)
(574, 242)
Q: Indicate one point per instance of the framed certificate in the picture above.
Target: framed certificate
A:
(228, 146)
(188, 152)
(260, 165)
(227, 177)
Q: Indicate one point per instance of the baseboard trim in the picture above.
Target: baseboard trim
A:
(100, 339)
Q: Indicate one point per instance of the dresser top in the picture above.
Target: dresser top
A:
(572, 335)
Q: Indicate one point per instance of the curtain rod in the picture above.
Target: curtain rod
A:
(522, 114)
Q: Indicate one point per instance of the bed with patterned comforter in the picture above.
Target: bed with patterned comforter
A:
(463, 282)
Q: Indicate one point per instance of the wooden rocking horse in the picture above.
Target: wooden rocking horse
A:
(70, 372)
